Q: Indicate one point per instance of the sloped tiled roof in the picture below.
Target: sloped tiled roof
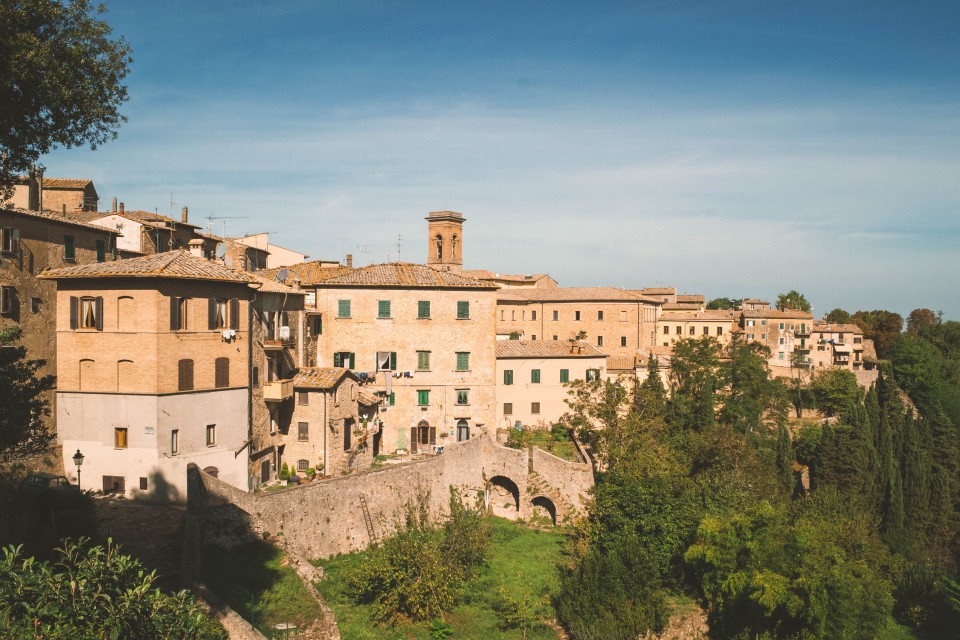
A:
(837, 328)
(576, 294)
(681, 306)
(171, 264)
(658, 291)
(320, 377)
(308, 273)
(777, 313)
(691, 298)
(709, 315)
(546, 349)
(404, 274)
(66, 183)
(270, 285)
(367, 398)
(484, 274)
(755, 301)
(621, 363)
(53, 216)
(149, 218)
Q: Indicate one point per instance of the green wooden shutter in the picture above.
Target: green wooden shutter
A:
(564, 375)
(393, 360)
(352, 361)
(383, 308)
(463, 361)
(423, 360)
(336, 359)
(535, 376)
(343, 309)
(423, 309)
(463, 309)
(508, 376)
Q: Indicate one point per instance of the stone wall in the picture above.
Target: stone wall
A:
(326, 518)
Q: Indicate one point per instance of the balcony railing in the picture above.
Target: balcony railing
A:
(278, 345)
(277, 390)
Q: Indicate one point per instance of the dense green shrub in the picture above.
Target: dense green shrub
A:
(93, 592)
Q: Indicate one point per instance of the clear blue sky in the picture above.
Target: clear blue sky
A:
(731, 148)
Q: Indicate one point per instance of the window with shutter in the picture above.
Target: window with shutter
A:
(463, 361)
(535, 407)
(423, 309)
(69, 251)
(7, 243)
(74, 312)
(463, 396)
(343, 309)
(235, 314)
(564, 375)
(222, 372)
(383, 308)
(8, 296)
(535, 376)
(91, 312)
(463, 310)
(101, 251)
(508, 376)
(120, 438)
(423, 397)
(423, 360)
(507, 408)
(185, 375)
(593, 374)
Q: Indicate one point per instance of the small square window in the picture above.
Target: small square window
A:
(463, 396)
(302, 465)
(593, 374)
(303, 397)
(507, 408)
(35, 305)
(535, 407)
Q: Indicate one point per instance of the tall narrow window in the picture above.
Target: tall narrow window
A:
(564, 375)
(222, 373)
(175, 442)
(534, 376)
(463, 361)
(90, 314)
(423, 309)
(599, 341)
(69, 250)
(423, 360)
(178, 314)
(8, 243)
(317, 325)
(600, 316)
(343, 309)
(463, 310)
(623, 341)
(508, 376)
(303, 431)
(8, 297)
(185, 375)
(556, 315)
(120, 438)
(439, 243)
(211, 435)
(576, 316)
(533, 315)
(101, 251)
(383, 308)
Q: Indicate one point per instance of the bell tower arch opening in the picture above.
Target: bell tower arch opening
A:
(445, 240)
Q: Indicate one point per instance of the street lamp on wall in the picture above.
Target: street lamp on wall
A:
(78, 460)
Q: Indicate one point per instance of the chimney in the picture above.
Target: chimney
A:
(114, 204)
(349, 260)
(183, 215)
(196, 247)
(121, 207)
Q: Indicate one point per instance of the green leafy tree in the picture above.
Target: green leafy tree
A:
(694, 378)
(834, 390)
(93, 592)
(750, 393)
(784, 453)
(837, 316)
(726, 304)
(23, 396)
(522, 611)
(793, 299)
(61, 77)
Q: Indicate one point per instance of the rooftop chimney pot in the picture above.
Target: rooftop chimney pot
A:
(114, 204)
(350, 260)
(183, 215)
(121, 207)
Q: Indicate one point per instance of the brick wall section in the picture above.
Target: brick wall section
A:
(325, 518)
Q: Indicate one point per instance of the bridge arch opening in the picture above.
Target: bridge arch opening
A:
(503, 497)
(543, 508)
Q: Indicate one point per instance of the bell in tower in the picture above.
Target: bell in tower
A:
(445, 240)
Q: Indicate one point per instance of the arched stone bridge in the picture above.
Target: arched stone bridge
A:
(345, 514)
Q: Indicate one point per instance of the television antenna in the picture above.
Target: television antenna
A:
(399, 244)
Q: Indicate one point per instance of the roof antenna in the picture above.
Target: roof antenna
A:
(399, 243)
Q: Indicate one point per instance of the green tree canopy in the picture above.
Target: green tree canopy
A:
(793, 299)
(834, 390)
(883, 327)
(725, 303)
(61, 78)
(837, 316)
(22, 397)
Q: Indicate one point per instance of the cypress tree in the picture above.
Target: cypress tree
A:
(916, 478)
(893, 512)
(785, 459)
(651, 393)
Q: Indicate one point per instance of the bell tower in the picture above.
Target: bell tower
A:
(445, 240)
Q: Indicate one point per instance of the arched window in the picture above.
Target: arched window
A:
(453, 249)
(463, 430)
(439, 240)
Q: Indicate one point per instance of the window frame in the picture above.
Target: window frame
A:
(174, 442)
(211, 435)
(534, 376)
(535, 408)
(463, 361)
(121, 438)
(423, 397)
(423, 361)
(463, 397)
(9, 238)
(463, 309)
(508, 408)
(303, 431)
(423, 309)
(343, 308)
(384, 310)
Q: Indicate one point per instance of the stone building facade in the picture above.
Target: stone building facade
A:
(616, 321)
(784, 331)
(153, 365)
(679, 325)
(532, 378)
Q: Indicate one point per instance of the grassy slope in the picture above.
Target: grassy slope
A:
(521, 559)
(254, 582)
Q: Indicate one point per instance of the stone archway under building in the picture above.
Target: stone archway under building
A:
(543, 507)
(503, 497)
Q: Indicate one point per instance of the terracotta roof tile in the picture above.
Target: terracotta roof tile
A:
(755, 301)
(270, 285)
(546, 349)
(621, 363)
(836, 328)
(53, 216)
(404, 274)
(367, 398)
(691, 298)
(658, 291)
(484, 274)
(171, 264)
(575, 294)
(149, 218)
(709, 315)
(320, 377)
(66, 183)
(308, 273)
(777, 313)
(681, 306)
